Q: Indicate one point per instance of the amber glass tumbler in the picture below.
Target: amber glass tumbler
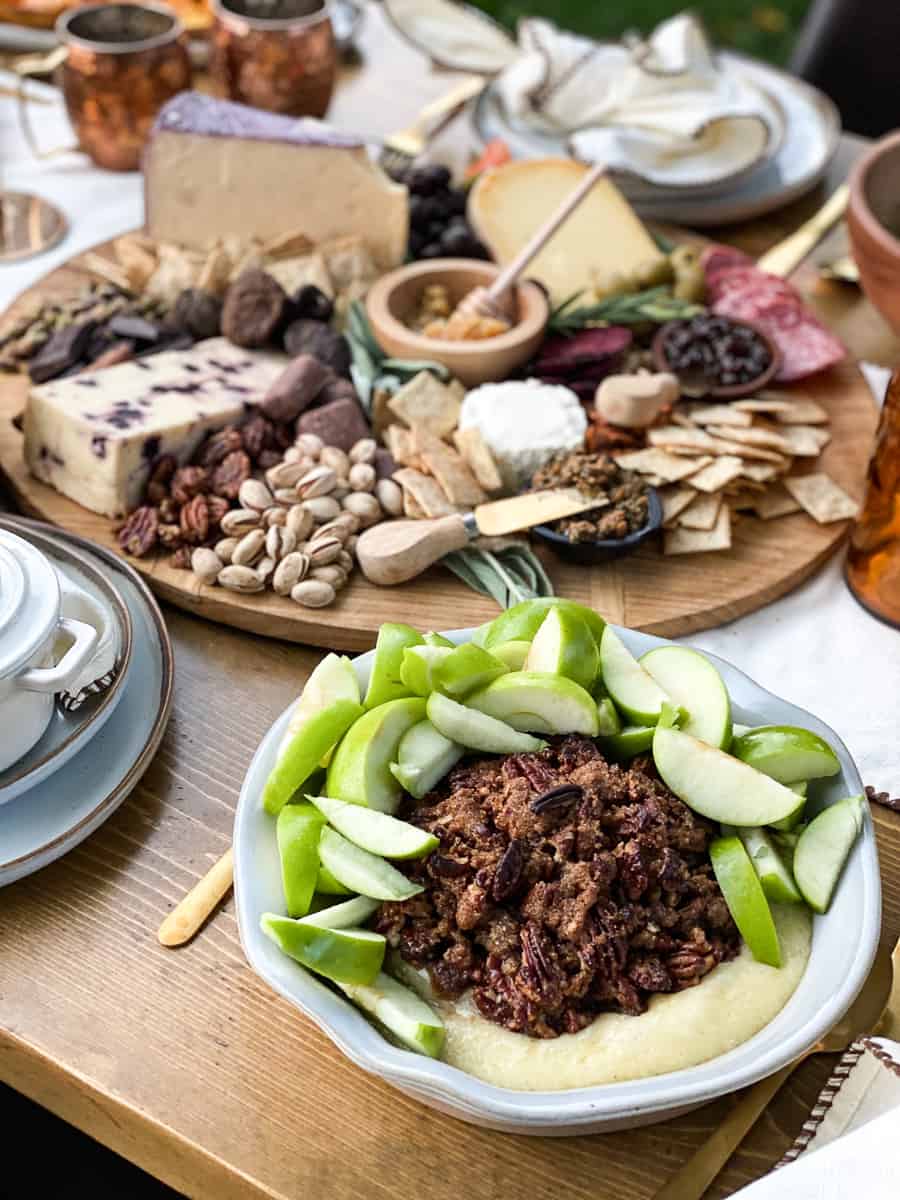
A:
(873, 561)
(274, 54)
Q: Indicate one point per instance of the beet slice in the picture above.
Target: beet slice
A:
(562, 355)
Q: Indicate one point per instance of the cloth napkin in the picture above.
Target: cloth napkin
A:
(850, 1145)
(100, 670)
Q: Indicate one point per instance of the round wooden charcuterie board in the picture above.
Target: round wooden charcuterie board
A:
(667, 596)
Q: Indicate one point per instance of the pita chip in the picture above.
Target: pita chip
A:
(654, 461)
(702, 513)
(720, 472)
(698, 541)
(478, 457)
(450, 470)
(426, 401)
(720, 414)
(675, 500)
(426, 492)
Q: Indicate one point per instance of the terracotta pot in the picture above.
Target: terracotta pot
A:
(874, 211)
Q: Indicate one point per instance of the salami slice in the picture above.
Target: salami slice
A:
(717, 258)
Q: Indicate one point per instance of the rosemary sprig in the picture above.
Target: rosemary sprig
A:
(507, 576)
(654, 305)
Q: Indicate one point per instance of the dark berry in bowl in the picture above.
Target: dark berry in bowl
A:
(716, 356)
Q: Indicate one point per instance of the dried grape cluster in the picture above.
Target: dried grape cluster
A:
(437, 215)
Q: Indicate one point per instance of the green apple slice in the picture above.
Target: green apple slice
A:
(629, 741)
(346, 915)
(313, 739)
(774, 874)
(564, 645)
(746, 899)
(351, 956)
(385, 683)
(438, 639)
(362, 871)
(465, 669)
(786, 753)
(792, 820)
(476, 730)
(297, 830)
(401, 1011)
(609, 721)
(634, 691)
(693, 682)
(738, 730)
(533, 702)
(375, 831)
(331, 679)
(418, 667)
(824, 847)
(513, 654)
(522, 621)
(327, 885)
(424, 757)
(716, 785)
(360, 769)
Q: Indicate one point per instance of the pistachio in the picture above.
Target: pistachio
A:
(238, 520)
(279, 542)
(254, 494)
(323, 508)
(225, 548)
(300, 520)
(332, 574)
(317, 482)
(313, 593)
(293, 454)
(345, 561)
(265, 567)
(365, 506)
(206, 564)
(289, 572)
(361, 477)
(363, 451)
(285, 474)
(390, 497)
(341, 489)
(324, 550)
(310, 444)
(241, 579)
(334, 457)
(350, 544)
(287, 497)
(336, 528)
(249, 548)
(275, 516)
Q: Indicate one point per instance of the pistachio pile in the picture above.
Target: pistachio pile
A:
(296, 531)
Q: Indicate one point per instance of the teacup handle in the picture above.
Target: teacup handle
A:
(57, 678)
(37, 65)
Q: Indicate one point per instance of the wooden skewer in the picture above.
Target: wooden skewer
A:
(184, 920)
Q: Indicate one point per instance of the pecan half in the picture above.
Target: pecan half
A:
(170, 536)
(219, 445)
(218, 506)
(258, 434)
(140, 533)
(230, 474)
(508, 873)
(557, 798)
(188, 482)
(194, 520)
(182, 558)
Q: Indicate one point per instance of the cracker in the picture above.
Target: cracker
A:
(744, 450)
(702, 513)
(742, 498)
(411, 507)
(295, 273)
(755, 436)
(775, 502)
(759, 472)
(674, 500)
(672, 437)
(716, 475)
(400, 443)
(720, 414)
(654, 461)
(821, 497)
(427, 402)
(348, 261)
(785, 410)
(806, 441)
(287, 245)
(426, 492)
(477, 455)
(450, 470)
(698, 541)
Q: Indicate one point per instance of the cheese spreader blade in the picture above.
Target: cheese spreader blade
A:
(396, 551)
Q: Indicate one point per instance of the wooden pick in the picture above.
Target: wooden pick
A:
(186, 918)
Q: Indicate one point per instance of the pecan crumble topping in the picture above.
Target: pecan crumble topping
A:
(564, 886)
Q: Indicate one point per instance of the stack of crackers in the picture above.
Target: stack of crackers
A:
(715, 461)
(418, 423)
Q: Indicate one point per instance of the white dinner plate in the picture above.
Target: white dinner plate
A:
(811, 136)
(50, 819)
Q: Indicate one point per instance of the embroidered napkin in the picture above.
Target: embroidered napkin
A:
(850, 1144)
(100, 670)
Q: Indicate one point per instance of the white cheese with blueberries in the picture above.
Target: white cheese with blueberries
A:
(95, 436)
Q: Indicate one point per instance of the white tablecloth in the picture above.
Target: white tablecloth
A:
(816, 647)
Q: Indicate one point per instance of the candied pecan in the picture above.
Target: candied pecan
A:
(170, 536)
(160, 478)
(508, 872)
(219, 445)
(182, 558)
(230, 474)
(194, 520)
(557, 798)
(139, 533)
(449, 868)
(258, 434)
(188, 482)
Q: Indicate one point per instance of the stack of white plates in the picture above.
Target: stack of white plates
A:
(107, 742)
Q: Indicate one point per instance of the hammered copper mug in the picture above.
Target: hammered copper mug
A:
(117, 66)
(279, 55)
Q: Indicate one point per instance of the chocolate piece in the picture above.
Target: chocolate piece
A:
(384, 463)
(198, 312)
(321, 341)
(312, 303)
(254, 308)
(336, 387)
(135, 329)
(295, 389)
(64, 350)
(341, 423)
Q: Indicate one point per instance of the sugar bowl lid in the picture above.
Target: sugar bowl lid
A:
(29, 602)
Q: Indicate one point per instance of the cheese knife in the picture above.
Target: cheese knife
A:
(396, 551)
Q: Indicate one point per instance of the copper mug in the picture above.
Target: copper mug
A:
(117, 66)
(279, 55)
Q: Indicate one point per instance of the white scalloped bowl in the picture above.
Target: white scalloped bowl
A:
(843, 948)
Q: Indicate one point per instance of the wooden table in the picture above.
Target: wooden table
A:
(183, 1061)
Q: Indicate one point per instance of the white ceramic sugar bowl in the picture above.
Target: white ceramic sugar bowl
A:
(30, 625)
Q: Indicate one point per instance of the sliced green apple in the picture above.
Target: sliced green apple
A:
(418, 667)
(692, 681)
(385, 683)
(533, 702)
(564, 645)
(634, 691)
(424, 757)
(823, 849)
(465, 669)
(346, 915)
(786, 753)
(609, 721)
(745, 899)
(513, 654)
(476, 730)
(792, 820)
(314, 737)
(629, 741)
(401, 1011)
(774, 873)
(332, 679)
(297, 831)
(362, 871)
(360, 769)
(375, 831)
(522, 621)
(348, 956)
(438, 639)
(716, 785)
(327, 885)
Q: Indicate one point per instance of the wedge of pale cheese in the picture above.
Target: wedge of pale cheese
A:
(213, 169)
(95, 437)
(602, 239)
